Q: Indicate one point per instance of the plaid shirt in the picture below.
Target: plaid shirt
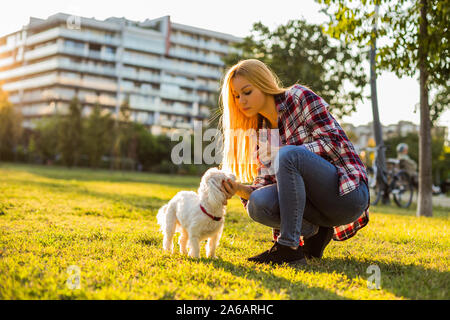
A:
(303, 119)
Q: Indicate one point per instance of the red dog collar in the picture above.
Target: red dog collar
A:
(210, 215)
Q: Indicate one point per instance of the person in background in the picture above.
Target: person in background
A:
(406, 163)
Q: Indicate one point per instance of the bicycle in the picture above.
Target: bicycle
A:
(392, 180)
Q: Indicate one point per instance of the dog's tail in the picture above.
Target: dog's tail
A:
(161, 217)
(167, 220)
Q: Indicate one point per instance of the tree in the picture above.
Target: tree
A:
(125, 140)
(299, 52)
(70, 133)
(415, 38)
(152, 150)
(97, 135)
(45, 139)
(10, 127)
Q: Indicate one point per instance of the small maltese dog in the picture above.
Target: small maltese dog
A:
(196, 216)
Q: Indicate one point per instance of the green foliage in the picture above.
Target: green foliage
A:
(70, 133)
(299, 52)
(10, 128)
(440, 103)
(128, 145)
(97, 138)
(104, 223)
(398, 39)
(152, 149)
(125, 139)
(46, 139)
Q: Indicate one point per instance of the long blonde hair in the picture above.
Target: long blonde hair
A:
(239, 131)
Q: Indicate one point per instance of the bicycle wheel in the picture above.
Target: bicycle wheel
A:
(403, 189)
(374, 189)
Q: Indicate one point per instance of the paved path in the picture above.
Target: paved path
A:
(440, 200)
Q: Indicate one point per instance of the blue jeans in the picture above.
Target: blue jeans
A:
(307, 188)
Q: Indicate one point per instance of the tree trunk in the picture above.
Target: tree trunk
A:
(377, 129)
(424, 199)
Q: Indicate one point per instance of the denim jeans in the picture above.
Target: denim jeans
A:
(307, 188)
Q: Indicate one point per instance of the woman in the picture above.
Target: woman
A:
(317, 178)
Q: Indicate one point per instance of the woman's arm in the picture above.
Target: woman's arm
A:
(230, 188)
(244, 191)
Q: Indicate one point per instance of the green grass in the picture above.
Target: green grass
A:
(104, 223)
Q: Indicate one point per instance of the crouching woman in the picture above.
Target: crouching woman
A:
(313, 187)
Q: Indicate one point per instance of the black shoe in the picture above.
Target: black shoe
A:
(314, 246)
(280, 254)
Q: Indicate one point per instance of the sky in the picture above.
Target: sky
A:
(397, 98)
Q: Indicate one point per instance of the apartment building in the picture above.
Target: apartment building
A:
(168, 72)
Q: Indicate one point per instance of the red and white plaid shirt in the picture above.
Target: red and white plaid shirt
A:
(303, 119)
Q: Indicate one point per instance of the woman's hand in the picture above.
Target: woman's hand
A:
(229, 188)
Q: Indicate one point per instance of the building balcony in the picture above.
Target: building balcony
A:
(29, 69)
(36, 82)
(180, 81)
(191, 70)
(91, 84)
(183, 125)
(140, 91)
(176, 109)
(50, 79)
(81, 35)
(83, 52)
(55, 63)
(139, 76)
(201, 44)
(179, 96)
(43, 36)
(42, 52)
(88, 68)
(150, 63)
(7, 61)
(209, 87)
(146, 45)
(185, 54)
(51, 95)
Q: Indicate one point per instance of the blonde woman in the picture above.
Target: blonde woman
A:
(313, 187)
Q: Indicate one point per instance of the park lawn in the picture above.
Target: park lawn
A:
(104, 223)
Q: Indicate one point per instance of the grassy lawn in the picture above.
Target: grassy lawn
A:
(104, 223)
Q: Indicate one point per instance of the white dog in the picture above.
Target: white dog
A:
(197, 216)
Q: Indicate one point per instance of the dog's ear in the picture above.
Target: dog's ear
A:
(210, 172)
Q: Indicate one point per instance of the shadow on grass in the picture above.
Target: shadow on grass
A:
(407, 281)
(136, 201)
(295, 290)
(86, 174)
